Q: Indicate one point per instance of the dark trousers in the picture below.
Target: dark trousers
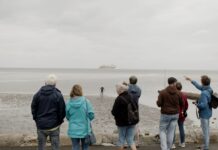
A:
(181, 132)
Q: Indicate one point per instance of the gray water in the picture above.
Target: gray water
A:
(150, 81)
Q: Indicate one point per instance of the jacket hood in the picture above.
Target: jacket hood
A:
(133, 88)
(48, 89)
(171, 90)
(77, 102)
(124, 93)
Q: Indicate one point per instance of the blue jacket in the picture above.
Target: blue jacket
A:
(79, 113)
(205, 111)
(135, 92)
(48, 108)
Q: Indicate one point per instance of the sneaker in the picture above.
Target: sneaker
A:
(182, 145)
(173, 146)
(201, 148)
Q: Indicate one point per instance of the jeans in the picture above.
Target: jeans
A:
(126, 133)
(167, 129)
(206, 132)
(76, 144)
(181, 132)
(54, 137)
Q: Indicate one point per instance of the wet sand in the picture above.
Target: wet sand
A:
(15, 116)
(18, 128)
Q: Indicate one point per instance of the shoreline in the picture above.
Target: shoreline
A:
(18, 129)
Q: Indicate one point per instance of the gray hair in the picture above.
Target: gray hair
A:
(51, 80)
(121, 88)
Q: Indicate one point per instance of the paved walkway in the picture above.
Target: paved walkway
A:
(214, 146)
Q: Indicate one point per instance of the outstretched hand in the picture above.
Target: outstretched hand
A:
(187, 78)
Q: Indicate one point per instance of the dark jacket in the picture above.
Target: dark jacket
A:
(48, 108)
(169, 100)
(119, 110)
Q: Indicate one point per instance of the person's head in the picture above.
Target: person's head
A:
(51, 80)
(76, 91)
(133, 79)
(172, 80)
(205, 80)
(179, 86)
(120, 88)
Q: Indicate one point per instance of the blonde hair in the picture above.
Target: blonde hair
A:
(76, 91)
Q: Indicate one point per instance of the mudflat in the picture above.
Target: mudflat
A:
(18, 129)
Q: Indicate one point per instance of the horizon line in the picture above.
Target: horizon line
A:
(156, 69)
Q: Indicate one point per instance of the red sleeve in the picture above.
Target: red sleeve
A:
(184, 97)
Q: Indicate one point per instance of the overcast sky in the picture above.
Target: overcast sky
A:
(134, 34)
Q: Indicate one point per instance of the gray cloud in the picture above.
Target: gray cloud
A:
(138, 34)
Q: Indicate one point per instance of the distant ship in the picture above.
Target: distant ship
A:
(107, 67)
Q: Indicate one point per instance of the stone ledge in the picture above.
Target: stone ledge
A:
(102, 139)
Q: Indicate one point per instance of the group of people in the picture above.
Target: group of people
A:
(128, 95)
(49, 110)
(174, 105)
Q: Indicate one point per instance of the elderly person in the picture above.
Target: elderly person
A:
(79, 113)
(48, 110)
(126, 129)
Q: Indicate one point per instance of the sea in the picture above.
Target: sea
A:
(28, 81)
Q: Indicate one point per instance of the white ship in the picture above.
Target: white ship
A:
(107, 67)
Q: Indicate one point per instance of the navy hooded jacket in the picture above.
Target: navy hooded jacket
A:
(48, 108)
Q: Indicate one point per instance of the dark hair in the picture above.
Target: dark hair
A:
(133, 80)
(171, 80)
(205, 80)
(178, 86)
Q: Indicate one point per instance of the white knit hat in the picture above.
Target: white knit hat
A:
(51, 79)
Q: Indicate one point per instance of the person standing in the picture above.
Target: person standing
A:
(79, 113)
(101, 91)
(182, 116)
(126, 129)
(169, 100)
(134, 89)
(205, 111)
(48, 111)
(135, 92)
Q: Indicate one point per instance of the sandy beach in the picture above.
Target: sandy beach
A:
(15, 116)
(18, 128)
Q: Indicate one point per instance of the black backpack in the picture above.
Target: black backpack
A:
(133, 113)
(214, 101)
